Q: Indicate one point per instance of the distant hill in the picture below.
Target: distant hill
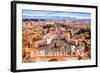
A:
(74, 20)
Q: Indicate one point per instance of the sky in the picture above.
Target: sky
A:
(33, 14)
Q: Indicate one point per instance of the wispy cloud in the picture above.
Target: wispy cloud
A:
(54, 14)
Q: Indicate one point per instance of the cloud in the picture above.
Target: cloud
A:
(49, 14)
